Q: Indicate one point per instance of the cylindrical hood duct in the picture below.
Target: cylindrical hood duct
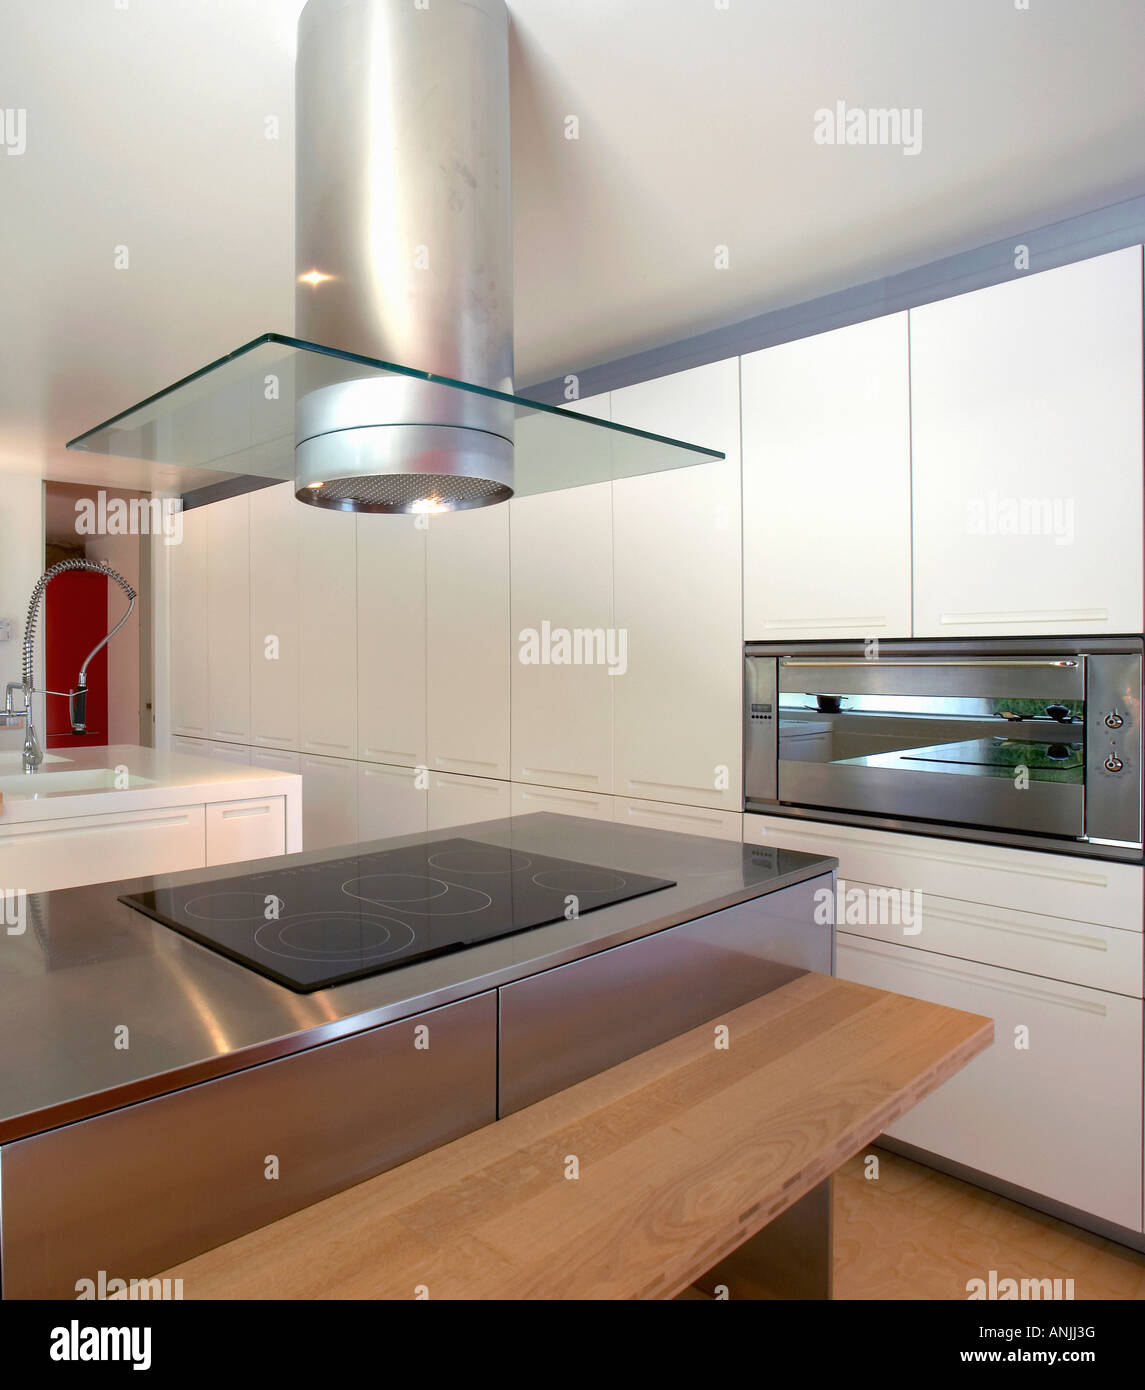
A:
(404, 252)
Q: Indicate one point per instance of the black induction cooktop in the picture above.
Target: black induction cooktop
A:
(309, 926)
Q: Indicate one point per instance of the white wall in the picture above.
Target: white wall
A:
(21, 564)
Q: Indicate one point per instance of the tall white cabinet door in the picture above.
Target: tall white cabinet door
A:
(561, 604)
(327, 633)
(467, 657)
(391, 640)
(228, 619)
(1027, 425)
(391, 801)
(677, 729)
(274, 520)
(188, 627)
(826, 485)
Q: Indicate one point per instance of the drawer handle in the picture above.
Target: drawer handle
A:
(1090, 943)
(61, 832)
(559, 772)
(968, 861)
(1084, 1005)
(235, 812)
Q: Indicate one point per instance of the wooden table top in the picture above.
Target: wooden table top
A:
(681, 1153)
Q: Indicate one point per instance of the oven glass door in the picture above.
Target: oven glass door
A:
(978, 742)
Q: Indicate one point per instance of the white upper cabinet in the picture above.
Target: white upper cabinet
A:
(1027, 441)
(274, 615)
(188, 627)
(561, 572)
(676, 557)
(228, 619)
(826, 485)
(467, 630)
(391, 640)
(328, 637)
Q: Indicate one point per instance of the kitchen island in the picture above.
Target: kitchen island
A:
(159, 1098)
(93, 815)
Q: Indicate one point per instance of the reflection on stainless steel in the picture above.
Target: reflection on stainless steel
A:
(911, 737)
(562, 1025)
(142, 1188)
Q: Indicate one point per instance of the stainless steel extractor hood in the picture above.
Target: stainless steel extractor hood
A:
(403, 248)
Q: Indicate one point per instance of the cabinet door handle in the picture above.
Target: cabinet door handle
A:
(1087, 1006)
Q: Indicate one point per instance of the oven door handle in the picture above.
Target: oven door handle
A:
(930, 663)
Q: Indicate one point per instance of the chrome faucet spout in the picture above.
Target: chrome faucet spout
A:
(33, 755)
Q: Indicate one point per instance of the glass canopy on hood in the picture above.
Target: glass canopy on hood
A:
(237, 417)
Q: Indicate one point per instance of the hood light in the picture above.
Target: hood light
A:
(314, 277)
(430, 505)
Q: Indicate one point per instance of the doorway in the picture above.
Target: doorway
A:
(82, 522)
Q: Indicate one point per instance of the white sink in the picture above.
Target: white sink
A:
(48, 782)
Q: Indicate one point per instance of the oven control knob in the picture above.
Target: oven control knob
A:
(1113, 763)
(1113, 720)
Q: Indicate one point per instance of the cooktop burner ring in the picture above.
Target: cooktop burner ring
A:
(580, 880)
(510, 860)
(379, 950)
(254, 911)
(405, 904)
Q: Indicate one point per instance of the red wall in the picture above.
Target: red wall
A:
(75, 618)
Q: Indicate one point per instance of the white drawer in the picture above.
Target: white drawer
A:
(1081, 953)
(242, 830)
(99, 849)
(1058, 885)
(687, 820)
(1061, 1118)
(528, 798)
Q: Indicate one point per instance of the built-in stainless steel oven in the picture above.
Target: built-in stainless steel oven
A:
(1019, 741)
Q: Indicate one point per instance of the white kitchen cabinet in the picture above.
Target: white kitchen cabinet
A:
(391, 640)
(468, 650)
(1080, 953)
(329, 801)
(460, 800)
(685, 820)
(563, 637)
(327, 633)
(196, 747)
(560, 801)
(826, 485)
(44, 856)
(238, 831)
(677, 730)
(1062, 1116)
(391, 801)
(281, 759)
(1026, 402)
(230, 752)
(228, 619)
(1054, 885)
(275, 516)
(188, 627)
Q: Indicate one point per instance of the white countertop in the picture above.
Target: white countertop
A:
(125, 777)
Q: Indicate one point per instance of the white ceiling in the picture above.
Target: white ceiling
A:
(146, 128)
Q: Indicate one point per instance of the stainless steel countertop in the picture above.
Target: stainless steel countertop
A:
(87, 966)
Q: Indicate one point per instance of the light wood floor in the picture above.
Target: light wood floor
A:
(916, 1233)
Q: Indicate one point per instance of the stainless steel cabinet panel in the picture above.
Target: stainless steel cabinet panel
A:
(137, 1190)
(579, 1019)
